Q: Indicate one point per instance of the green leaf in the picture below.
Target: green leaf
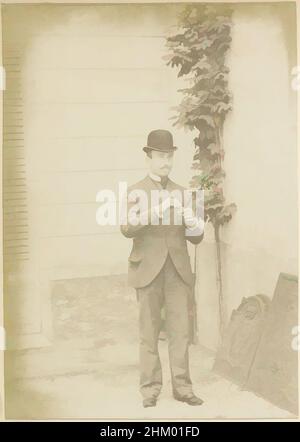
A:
(198, 51)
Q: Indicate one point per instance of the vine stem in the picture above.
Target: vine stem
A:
(218, 130)
(195, 322)
(219, 281)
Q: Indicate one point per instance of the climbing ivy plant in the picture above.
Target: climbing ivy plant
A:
(198, 50)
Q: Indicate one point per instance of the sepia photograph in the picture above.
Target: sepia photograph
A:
(149, 235)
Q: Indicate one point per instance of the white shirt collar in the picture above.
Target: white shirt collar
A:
(154, 177)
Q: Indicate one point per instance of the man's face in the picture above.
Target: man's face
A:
(161, 163)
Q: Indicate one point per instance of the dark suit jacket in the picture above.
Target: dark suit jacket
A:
(152, 243)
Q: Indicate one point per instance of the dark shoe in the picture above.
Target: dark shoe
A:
(190, 400)
(149, 402)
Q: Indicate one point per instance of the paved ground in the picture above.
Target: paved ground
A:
(91, 371)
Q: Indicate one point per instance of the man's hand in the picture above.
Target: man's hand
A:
(161, 208)
(192, 223)
(189, 219)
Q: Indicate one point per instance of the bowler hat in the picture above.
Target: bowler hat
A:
(161, 140)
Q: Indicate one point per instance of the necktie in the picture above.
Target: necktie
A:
(164, 181)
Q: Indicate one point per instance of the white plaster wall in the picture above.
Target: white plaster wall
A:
(261, 168)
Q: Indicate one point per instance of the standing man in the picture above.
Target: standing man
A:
(160, 271)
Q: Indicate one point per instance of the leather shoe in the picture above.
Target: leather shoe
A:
(190, 400)
(149, 402)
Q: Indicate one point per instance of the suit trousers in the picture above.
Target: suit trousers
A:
(168, 289)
